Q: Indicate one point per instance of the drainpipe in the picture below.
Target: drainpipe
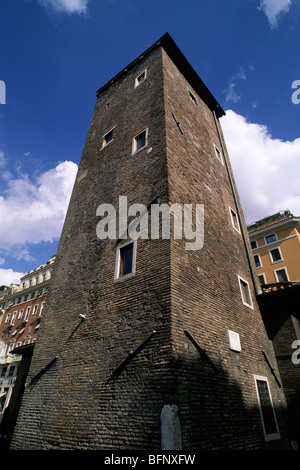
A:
(257, 292)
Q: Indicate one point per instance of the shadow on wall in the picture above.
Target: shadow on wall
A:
(153, 403)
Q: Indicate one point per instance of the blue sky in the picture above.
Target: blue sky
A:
(55, 54)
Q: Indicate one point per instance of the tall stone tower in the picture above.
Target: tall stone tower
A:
(151, 342)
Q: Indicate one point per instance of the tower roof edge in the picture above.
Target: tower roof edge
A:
(183, 65)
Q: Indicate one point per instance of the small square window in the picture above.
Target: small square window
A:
(140, 141)
(218, 154)
(107, 138)
(234, 220)
(193, 97)
(125, 260)
(271, 238)
(245, 292)
(140, 78)
(275, 255)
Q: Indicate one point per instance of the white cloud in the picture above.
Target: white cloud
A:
(8, 276)
(66, 6)
(266, 170)
(273, 8)
(34, 211)
(231, 93)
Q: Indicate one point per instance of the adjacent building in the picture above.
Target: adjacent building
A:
(152, 336)
(275, 243)
(22, 312)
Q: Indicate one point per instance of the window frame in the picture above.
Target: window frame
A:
(134, 148)
(281, 269)
(27, 313)
(137, 82)
(256, 246)
(192, 97)
(243, 281)
(234, 218)
(264, 278)
(117, 275)
(271, 256)
(104, 143)
(274, 241)
(219, 154)
(13, 317)
(270, 436)
(259, 259)
(35, 309)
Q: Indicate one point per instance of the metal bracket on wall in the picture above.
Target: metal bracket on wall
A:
(130, 356)
(178, 123)
(202, 351)
(44, 369)
(271, 368)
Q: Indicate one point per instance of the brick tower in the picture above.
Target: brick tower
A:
(147, 342)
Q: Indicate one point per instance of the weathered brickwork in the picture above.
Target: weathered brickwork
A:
(77, 402)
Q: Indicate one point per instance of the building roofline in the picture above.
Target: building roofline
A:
(183, 65)
(275, 224)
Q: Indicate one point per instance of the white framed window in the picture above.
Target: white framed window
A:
(34, 309)
(13, 318)
(271, 238)
(275, 255)
(140, 78)
(7, 318)
(107, 138)
(281, 275)
(126, 260)
(234, 220)
(139, 141)
(245, 292)
(42, 306)
(20, 314)
(262, 278)
(27, 313)
(266, 408)
(257, 261)
(218, 154)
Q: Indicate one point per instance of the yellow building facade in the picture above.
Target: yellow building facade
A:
(275, 243)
